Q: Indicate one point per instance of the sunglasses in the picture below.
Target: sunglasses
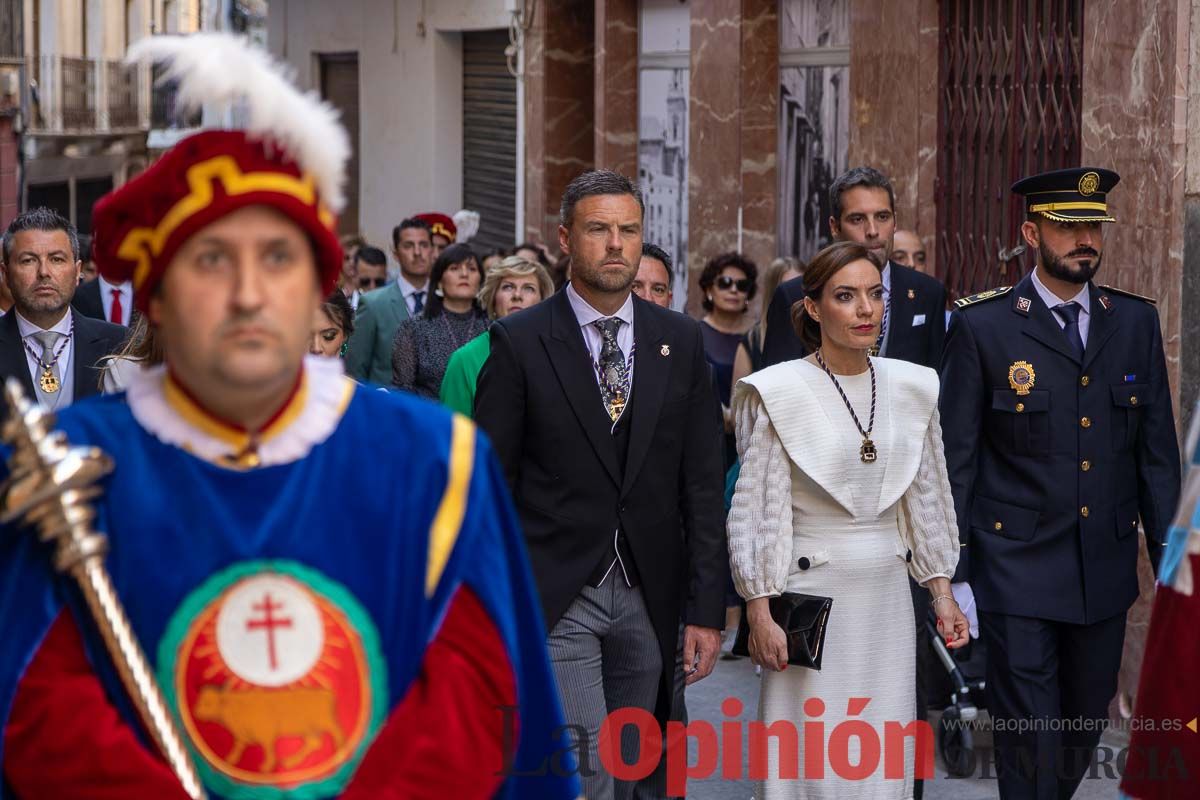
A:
(371, 283)
(726, 282)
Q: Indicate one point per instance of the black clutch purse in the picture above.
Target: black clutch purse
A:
(803, 618)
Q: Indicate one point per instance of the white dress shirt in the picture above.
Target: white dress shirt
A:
(591, 334)
(66, 392)
(125, 290)
(409, 290)
(1051, 300)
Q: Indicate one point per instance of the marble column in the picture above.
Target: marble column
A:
(559, 110)
(760, 131)
(616, 86)
(1135, 98)
(893, 104)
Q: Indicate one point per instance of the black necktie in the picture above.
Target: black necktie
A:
(1069, 313)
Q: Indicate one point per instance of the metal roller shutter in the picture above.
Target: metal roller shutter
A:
(489, 138)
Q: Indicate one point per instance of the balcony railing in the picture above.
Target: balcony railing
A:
(87, 95)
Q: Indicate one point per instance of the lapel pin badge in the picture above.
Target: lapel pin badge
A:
(666, 350)
(912, 295)
(1104, 301)
(1023, 304)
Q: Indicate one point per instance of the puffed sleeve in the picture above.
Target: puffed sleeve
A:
(760, 520)
(927, 512)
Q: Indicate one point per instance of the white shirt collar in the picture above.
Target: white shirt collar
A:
(1051, 299)
(587, 315)
(407, 289)
(106, 288)
(27, 328)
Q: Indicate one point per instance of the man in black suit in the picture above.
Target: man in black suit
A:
(615, 466)
(99, 299)
(914, 322)
(52, 349)
(1059, 436)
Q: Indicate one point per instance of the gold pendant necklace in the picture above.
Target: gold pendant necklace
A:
(867, 452)
(48, 382)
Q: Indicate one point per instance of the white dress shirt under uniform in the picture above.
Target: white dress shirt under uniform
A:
(66, 392)
(125, 290)
(1051, 300)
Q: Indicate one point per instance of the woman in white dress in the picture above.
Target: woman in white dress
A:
(843, 485)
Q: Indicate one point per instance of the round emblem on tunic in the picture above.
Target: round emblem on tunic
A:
(1021, 377)
(1089, 183)
(275, 673)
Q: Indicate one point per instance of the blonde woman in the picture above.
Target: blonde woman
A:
(513, 284)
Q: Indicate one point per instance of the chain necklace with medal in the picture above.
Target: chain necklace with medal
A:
(47, 381)
(867, 452)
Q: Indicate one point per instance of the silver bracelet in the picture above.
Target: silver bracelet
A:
(933, 602)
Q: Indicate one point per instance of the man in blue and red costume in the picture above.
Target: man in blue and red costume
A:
(315, 636)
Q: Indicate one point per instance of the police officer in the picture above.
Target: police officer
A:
(1059, 436)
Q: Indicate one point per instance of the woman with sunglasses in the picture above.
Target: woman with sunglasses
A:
(728, 284)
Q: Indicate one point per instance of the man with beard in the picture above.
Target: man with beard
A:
(52, 348)
(600, 407)
(1059, 438)
(863, 210)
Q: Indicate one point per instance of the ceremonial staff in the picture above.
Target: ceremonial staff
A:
(49, 486)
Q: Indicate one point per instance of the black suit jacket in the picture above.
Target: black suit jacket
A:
(1023, 467)
(916, 320)
(94, 339)
(87, 300)
(538, 400)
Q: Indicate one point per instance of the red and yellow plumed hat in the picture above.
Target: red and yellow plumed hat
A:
(291, 156)
(440, 224)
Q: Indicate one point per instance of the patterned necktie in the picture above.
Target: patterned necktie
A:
(1069, 313)
(614, 373)
(418, 302)
(118, 313)
(48, 341)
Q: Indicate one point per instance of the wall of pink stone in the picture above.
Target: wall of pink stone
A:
(616, 92)
(1135, 98)
(559, 128)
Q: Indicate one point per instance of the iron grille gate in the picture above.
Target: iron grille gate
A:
(1010, 86)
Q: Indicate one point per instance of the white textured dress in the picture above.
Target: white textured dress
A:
(804, 495)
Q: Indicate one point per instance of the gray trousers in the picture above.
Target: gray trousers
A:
(605, 656)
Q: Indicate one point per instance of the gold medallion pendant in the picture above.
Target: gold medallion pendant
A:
(867, 451)
(48, 382)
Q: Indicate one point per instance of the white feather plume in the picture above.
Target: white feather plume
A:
(223, 69)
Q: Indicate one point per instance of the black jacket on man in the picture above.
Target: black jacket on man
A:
(93, 340)
(539, 402)
(1049, 484)
(87, 300)
(916, 320)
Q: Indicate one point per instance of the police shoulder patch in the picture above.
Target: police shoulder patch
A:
(990, 294)
(1124, 293)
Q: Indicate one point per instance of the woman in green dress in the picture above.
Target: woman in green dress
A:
(513, 284)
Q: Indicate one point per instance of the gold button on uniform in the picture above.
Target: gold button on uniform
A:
(999, 526)
(1084, 381)
(1085, 466)
(1084, 511)
(1085, 422)
(1133, 400)
(1020, 407)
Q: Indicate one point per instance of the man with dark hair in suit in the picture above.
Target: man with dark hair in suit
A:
(101, 299)
(914, 322)
(615, 466)
(380, 311)
(52, 349)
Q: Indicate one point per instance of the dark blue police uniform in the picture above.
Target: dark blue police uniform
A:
(1053, 457)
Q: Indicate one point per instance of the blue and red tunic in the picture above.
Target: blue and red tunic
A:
(342, 609)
